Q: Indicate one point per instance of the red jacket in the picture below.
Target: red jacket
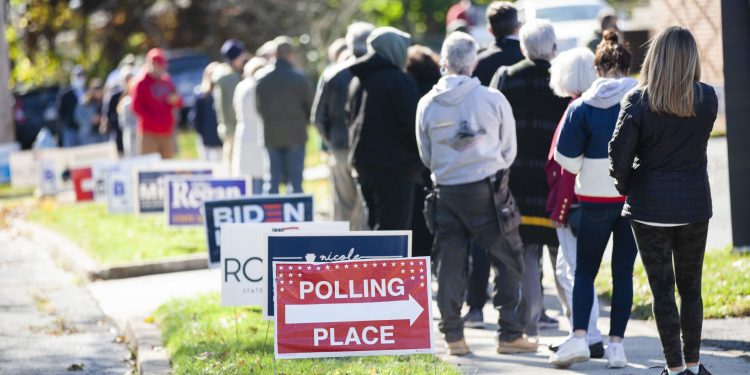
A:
(561, 183)
(151, 105)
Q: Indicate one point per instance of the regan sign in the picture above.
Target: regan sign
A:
(353, 308)
(310, 248)
(262, 209)
(185, 196)
(243, 258)
(150, 183)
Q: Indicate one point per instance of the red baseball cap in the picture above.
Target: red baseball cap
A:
(156, 56)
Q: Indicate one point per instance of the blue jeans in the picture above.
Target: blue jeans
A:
(598, 220)
(285, 165)
(70, 137)
(257, 186)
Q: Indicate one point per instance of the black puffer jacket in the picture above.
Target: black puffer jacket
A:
(659, 160)
(382, 110)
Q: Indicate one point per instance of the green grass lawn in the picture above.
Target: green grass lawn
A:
(7, 191)
(726, 286)
(112, 239)
(202, 338)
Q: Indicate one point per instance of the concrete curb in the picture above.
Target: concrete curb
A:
(145, 340)
(80, 263)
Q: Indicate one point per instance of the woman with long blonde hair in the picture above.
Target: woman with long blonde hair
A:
(658, 159)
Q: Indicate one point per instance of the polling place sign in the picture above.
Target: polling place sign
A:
(353, 308)
(185, 196)
(330, 247)
(150, 183)
(260, 209)
(243, 257)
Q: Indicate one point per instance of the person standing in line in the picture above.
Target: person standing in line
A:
(225, 78)
(284, 98)
(329, 116)
(665, 125)
(248, 158)
(126, 118)
(203, 118)
(502, 18)
(582, 150)
(381, 108)
(571, 74)
(155, 101)
(88, 113)
(423, 65)
(66, 108)
(466, 137)
(537, 111)
(607, 21)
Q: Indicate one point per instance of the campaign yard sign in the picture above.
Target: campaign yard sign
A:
(119, 182)
(6, 149)
(330, 247)
(185, 196)
(83, 184)
(243, 257)
(150, 183)
(353, 308)
(257, 209)
(25, 168)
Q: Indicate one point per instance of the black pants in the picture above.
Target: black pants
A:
(686, 245)
(468, 212)
(421, 238)
(390, 201)
(479, 275)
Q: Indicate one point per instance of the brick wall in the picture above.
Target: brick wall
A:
(703, 18)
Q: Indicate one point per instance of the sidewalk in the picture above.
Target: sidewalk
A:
(642, 343)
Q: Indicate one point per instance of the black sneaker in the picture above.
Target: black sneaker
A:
(474, 319)
(701, 371)
(597, 350)
(665, 371)
(547, 322)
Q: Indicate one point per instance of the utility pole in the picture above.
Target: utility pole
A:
(7, 130)
(735, 20)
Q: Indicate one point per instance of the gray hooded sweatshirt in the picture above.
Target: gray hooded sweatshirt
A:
(465, 131)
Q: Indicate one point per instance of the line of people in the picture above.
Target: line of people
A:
(521, 146)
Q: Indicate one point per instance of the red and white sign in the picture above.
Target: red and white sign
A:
(83, 183)
(353, 308)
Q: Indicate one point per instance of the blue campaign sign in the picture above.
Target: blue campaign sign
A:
(185, 196)
(330, 247)
(150, 185)
(260, 209)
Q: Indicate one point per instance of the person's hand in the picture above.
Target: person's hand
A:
(173, 99)
(96, 119)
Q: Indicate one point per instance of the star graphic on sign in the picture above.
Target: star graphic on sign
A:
(337, 266)
(420, 262)
(374, 264)
(393, 264)
(290, 268)
(299, 267)
(421, 277)
(421, 270)
(281, 281)
(317, 268)
(421, 284)
(412, 277)
(411, 270)
(364, 265)
(403, 271)
(356, 265)
(299, 275)
(309, 268)
(281, 275)
(384, 264)
(328, 267)
(411, 263)
(282, 289)
(290, 275)
(346, 266)
(403, 263)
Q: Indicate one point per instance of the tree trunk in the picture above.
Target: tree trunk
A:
(7, 130)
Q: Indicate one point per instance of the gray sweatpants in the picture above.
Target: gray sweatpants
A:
(465, 212)
(346, 203)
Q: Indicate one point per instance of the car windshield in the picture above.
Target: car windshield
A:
(569, 13)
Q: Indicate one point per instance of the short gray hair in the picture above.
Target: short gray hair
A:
(572, 72)
(538, 40)
(356, 37)
(459, 53)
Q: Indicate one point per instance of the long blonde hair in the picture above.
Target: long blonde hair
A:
(670, 70)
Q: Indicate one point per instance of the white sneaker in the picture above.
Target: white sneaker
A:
(616, 356)
(571, 351)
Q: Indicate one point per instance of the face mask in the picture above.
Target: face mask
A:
(78, 83)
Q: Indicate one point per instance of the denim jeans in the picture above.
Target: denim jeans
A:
(257, 186)
(286, 165)
(598, 221)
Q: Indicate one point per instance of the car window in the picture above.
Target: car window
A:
(569, 13)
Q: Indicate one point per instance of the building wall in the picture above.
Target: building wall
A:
(703, 18)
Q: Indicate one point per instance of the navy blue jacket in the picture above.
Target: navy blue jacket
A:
(204, 120)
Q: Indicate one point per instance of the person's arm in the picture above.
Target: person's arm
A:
(80, 116)
(306, 95)
(223, 94)
(570, 146)
(404, 103)
(623, 144)
(423, 137)
(509, 147)
(319, 115)
(140, 100)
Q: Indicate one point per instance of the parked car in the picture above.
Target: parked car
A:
(574, 20)
(32, 110)
(186, 69)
